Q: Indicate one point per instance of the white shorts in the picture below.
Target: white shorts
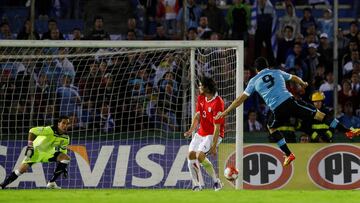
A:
(202, 144)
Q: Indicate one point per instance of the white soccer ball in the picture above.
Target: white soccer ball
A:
(231, 173)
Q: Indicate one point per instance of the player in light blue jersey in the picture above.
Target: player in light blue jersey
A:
(270, 84)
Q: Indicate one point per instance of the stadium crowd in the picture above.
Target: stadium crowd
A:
(109, 96)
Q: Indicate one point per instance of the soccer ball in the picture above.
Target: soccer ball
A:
(231, 173)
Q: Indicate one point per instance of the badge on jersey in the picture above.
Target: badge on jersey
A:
(209, 109)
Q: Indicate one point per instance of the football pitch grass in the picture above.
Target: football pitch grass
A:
(175, 195)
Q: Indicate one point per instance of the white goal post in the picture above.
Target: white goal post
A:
(191, 46)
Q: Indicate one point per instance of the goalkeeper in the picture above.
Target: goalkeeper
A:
(45, 144)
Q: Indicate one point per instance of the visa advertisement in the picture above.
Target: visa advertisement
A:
(163, 164)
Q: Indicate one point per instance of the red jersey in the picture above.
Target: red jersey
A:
(208, 110)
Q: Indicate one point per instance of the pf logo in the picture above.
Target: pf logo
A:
(263, 167)
(336, 167)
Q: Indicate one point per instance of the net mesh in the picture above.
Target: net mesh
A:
(129, 108)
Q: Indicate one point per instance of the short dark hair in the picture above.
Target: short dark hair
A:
(354, 22)
(261, 63)
(209, 84)
(289, 27)
(52, 20)
(98, 17)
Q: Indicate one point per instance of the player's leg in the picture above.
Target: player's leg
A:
(275, 121)
(63, 161)
(15, 174)
(193, 163)
(307, 111)
(204, 147)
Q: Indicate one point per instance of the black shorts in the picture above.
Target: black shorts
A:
(291, 108)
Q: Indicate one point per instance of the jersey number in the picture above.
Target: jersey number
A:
(268, 79)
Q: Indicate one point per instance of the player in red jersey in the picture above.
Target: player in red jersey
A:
(209, 135)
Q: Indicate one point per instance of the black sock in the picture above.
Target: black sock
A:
(285, 149)
(335, 124)
(280, 140)
(60, 168)
(9, 179)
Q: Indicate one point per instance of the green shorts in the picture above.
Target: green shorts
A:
(41, 157)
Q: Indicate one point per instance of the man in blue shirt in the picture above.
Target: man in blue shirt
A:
(270, 84)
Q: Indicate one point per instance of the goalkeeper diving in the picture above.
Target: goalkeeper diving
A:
(45, 144)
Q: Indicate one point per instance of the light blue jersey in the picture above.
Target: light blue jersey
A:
(270, 84)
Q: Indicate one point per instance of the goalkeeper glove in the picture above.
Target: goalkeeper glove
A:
(29, 152)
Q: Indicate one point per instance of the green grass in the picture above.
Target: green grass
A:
(174, 196)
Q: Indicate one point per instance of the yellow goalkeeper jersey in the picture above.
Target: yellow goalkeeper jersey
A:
(49, 140)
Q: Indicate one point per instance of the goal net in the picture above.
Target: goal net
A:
(129, 104)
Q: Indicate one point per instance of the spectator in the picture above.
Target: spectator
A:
(238, 20)
(67, 98)
(285, 45)
(355, 83)
(326, 24)
(168, 76)
(304, 138)
(98, 32)
(165, 119)
(52, 25)
(64, 65)
(354, 30)
(252, 124)
(295, 58)
(192, 34)
(326, 52)
(131, 35)
(329, 83)
(49, 114)
(151, 98)
(166, 65)
(342, 40)
(5, 31)
(348, 67)
(55, 34)
(41, 98)
(352, 45)
(253, 101)
(289, 20)
(265, 18)
(105, 119)
(171, 10)
(131, 25)
(25, 32)
(77, 34)
(215, 17)
(88, 115)
(307, 21)
(193, 12)
(347, 94)
(160, 33)
(203, 26)
(348, 118)
(319, 76)
(313, 59)
(90, 81)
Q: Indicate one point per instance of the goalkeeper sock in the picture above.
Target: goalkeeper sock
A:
(13, 176)
(194, 171)
(60, 168)
(209, 168)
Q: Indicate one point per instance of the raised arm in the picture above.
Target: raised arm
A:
(237, 102)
